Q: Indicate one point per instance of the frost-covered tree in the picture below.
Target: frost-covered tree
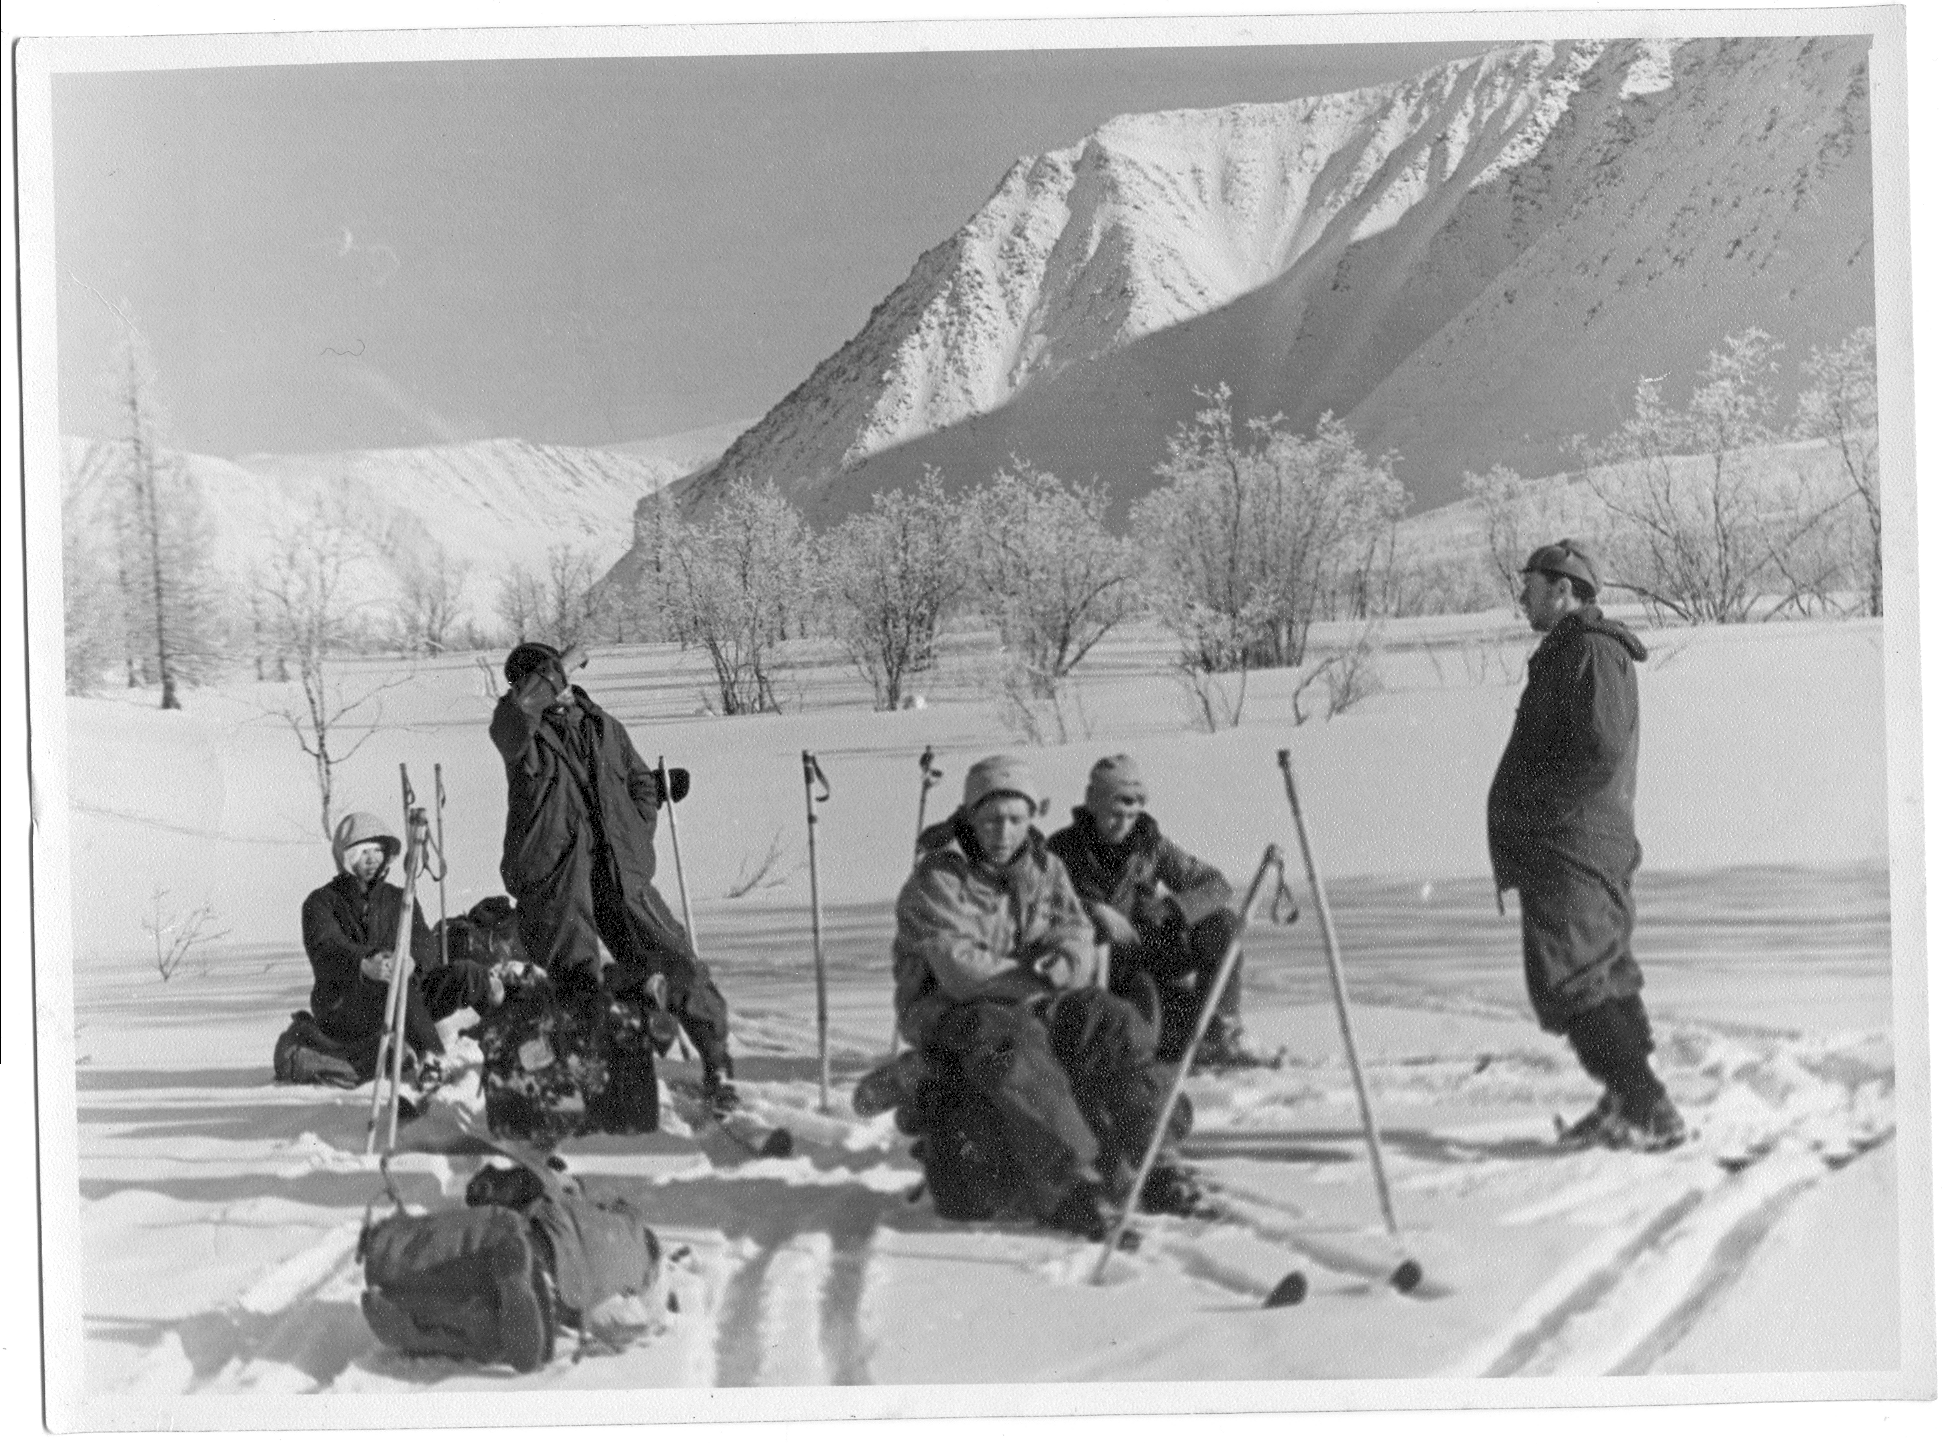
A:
(737, 584)
(1838, 406)
(891, 574)
(1045, 571)
(1258, 531)
(427, 610)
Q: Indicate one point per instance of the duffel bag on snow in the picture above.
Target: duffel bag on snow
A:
(304, 1053)
(594, 1251)
(465, 1283)
(556, 1067)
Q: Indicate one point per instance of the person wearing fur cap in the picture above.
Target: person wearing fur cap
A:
(350, 929)
(996, 993)
(1562, 837)
(1162, 913)
(581, 808)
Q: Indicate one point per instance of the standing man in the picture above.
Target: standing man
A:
(1562, 836)
(579, 855)
(1162, 912)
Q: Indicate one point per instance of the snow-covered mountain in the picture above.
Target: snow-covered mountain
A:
(489, 504)
(1471, 266)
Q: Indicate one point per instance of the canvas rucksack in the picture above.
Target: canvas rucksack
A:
(491, 1282)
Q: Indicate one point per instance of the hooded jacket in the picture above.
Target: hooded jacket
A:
(575, 783)
(968, 930)
(343, 924)
(1570, 770)
(1155, 882)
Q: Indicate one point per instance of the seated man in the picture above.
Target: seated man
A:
(350, 926)
(1163, 913)
(993, 965)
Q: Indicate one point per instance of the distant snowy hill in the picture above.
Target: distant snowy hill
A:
(1471, 266)
(489, 504)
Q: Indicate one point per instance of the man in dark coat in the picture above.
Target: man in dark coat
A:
(1162, 912)
(996, 992)
(1561, 834)
(581, 807)
(350, 931)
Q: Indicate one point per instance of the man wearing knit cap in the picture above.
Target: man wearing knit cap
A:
(581, 807)
(1163, 914)
(1562, 836)
(350, 928)
(1015, 1050)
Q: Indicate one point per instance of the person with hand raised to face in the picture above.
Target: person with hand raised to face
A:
(581, 808)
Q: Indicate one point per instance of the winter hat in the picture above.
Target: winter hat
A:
(1113, 775)
(998, 776)
(1567, 558)
(362, 827)
(527, 658)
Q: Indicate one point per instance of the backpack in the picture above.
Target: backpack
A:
(466, 1283)
(493, 1281)
(559, 1066)
(304, 1053)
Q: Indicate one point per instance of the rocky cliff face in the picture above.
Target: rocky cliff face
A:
(1472, 267)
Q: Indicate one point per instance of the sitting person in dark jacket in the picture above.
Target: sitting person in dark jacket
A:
(1163, 913)
(350, 929)
(995, 992)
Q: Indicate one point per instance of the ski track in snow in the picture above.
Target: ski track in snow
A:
(783, 1295)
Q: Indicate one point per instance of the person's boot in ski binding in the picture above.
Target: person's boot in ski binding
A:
(1171, 1188)
(1657, 1128)
(1225, 1046)
(718, 1088)
(890, 1085)
(1083, 1210)
(1590, 1130)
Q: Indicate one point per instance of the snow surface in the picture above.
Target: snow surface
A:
(218, 1212)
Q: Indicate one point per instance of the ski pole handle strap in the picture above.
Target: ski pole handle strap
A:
(812, 775)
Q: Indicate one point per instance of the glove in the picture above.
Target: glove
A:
(673, 782)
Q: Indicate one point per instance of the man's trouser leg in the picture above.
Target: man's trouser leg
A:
(1183, 966)
(1106, 1051)
(1003, 1053)
(634, 932)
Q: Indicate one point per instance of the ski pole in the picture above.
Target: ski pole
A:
(680, 881)
(812, 779)
(390, 1056)
(1408, 1273)
(1271, 859)
(931, 775)
(438, 811)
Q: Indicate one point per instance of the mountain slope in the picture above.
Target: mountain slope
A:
(1472, 266)
(490, 504)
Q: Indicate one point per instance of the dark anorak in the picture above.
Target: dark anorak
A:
(1560, 816)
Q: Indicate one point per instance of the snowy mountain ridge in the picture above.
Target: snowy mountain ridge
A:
(1472, 265)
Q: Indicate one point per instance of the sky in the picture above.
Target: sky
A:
(576, 251)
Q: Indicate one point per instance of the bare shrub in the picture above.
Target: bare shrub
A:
(307, 612)
(425, 613)
(766, 872)
(738, 583)
(892, 573)
(1258, 531)
(1046, 573)
(1038, 720)
(1839, 406)
(1347, 676)
(176, 936)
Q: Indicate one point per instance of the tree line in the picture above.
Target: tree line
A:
(1717, 510)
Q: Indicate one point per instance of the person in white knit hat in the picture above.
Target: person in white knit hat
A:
(1033, 1090)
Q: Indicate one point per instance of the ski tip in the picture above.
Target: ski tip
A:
(1407, 1277)
(1290, 1291)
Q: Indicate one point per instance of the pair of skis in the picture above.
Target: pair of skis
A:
(387, 1082)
